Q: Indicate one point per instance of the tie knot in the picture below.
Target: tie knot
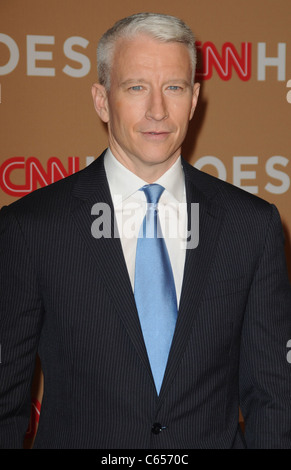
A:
(153, 192)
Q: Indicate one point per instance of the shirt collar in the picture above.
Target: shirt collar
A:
(124, 183)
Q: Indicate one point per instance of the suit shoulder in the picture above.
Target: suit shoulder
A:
(45, 196)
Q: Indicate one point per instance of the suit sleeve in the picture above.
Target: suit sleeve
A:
(20, 320)
(265, 373)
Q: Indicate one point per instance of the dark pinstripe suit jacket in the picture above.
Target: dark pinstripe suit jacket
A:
(67, 296)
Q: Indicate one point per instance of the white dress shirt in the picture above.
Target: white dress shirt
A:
(130, 207)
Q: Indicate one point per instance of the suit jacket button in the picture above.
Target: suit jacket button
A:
(156, 428)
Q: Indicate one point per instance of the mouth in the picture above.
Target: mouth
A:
(156, 134)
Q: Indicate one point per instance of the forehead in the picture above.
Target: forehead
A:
(143, 53)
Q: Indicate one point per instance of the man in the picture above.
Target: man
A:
(72, 287)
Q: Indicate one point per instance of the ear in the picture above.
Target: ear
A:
(100, 101)
(195, 95)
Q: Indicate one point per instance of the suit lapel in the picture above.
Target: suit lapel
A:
(91, 189)
(197, 265)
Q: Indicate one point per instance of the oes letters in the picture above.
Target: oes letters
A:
(34, 55)
(240, 172)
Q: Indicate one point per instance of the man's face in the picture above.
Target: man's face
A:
(149, 104)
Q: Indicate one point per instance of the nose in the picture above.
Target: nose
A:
(156, 106)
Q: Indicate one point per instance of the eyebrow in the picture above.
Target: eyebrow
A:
(130, 81)
(137, 81)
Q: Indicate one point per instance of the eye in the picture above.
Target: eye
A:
(136, 88)
(174, 88)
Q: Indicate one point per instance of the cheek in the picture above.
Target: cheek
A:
(180, 112)
(122, 127)
(187, 115)
(128, 115)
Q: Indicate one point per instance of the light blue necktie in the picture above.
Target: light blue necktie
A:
(154, 290)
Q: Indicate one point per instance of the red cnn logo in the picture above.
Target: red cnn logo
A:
(34, 174)
(225, 63)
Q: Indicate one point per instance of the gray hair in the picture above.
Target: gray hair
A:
(164, 28)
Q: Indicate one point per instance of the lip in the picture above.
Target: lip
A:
(155, 135)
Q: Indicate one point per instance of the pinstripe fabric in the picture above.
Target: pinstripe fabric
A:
(68, 296)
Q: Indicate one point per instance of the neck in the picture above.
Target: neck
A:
(147, 171)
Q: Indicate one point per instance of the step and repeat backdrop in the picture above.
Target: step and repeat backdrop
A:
(241, 131)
